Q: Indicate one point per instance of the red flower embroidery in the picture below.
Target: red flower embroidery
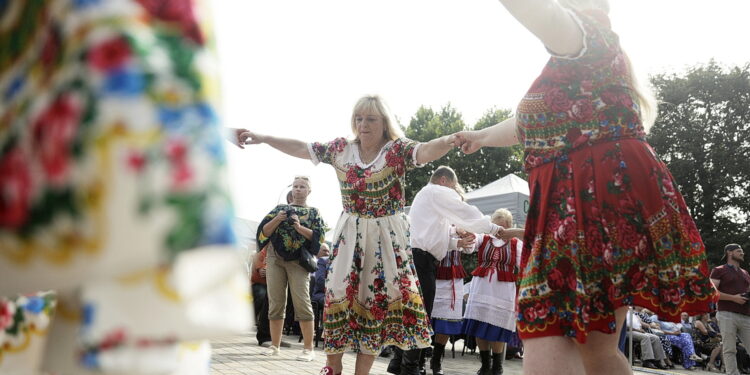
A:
(594, 240)
(671, 296)
(585, 314)
(695, 288)
(409, 318)
(582, 110)
(381, 212)
(54, 131)
(377, 312)
(405, 296)
(360, 184)
(136, 161)
(529, 315)
(405, 282)
(110, 54)
(177, 11)
(15, 191)
(353, 324)
(627, 235)
(7, 310)
(567, 230)
(562, 276)
(637, 277)
(395, 191)
(557, 100)
(541, 310)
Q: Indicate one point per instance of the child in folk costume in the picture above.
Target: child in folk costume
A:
(490, 311)
(447, 310)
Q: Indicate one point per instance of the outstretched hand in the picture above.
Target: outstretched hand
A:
(466, 141)
(241, 137)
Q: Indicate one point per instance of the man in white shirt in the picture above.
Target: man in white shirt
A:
(652, 353)
(435, 208)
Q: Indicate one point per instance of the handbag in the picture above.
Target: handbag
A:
(308, 261)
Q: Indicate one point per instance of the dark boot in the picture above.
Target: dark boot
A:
(436, 362)
(423, 361)
(486, 368)
(410, 362)
(394, 366)
(497, 363)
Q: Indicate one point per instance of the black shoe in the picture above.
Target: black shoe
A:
(436, 362)
(486, 368)
(386, 353)
(649, 364)
(497, 363)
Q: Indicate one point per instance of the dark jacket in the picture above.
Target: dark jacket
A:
(319, 292)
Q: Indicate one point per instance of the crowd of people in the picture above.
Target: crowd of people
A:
(111, 170)
(594, 243)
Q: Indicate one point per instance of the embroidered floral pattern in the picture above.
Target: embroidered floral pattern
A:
(562, 111)
(22, 318)
(606, 227)
(84, 100)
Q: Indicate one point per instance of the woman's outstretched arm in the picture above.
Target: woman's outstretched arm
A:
(502, 134)
(288, 146)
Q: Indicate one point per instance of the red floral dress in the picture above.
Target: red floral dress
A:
(606, 226)
(372, 291)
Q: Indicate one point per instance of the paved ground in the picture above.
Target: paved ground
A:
(241, 355)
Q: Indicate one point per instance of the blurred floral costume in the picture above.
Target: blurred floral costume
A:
(112, 190)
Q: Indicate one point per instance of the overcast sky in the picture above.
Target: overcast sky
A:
(295, 68)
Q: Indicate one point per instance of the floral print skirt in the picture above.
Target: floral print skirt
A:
(372, 290)
(607, 228)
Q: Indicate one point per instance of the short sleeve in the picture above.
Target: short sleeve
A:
(326, 152)
(717, 273)
(406, 149)
(600, 43)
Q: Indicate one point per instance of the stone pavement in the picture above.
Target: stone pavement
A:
(240, 355)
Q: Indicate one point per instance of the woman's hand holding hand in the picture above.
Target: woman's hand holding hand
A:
(467, 141)
(246, 137)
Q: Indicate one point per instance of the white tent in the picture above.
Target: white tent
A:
(511, 192)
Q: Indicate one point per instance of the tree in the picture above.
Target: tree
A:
(475, 170)
(702, 135)
(424, 126)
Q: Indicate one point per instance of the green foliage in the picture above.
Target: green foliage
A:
(702, 135)
(475, 170)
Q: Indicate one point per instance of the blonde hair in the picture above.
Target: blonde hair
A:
(502, 214)
(374, 104)
(644, 95)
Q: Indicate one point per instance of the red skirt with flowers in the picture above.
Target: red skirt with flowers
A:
(607, 228)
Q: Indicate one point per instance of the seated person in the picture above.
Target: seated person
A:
(683, 341)
(652, 353)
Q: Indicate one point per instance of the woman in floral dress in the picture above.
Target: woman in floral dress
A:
(372, 293)
(607, 227)
(490, 314)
